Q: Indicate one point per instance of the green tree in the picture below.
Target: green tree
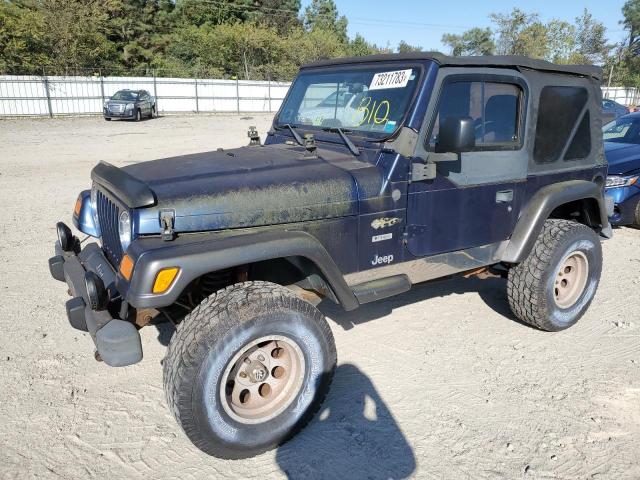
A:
(561, 38)
(509, 31)
(22, 40)
(404, 47)
(476, 41)
(591, 40)
(324, 15)
(75, 33)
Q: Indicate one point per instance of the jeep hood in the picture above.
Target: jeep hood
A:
(244, 187)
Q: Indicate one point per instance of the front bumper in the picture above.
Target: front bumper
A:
(125, 114)
(625, 203)
(117, 341)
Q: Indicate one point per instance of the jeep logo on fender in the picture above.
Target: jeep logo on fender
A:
(382, 260)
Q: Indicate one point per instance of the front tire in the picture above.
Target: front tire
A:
(553, 287)
(248, 368)
(138, 115)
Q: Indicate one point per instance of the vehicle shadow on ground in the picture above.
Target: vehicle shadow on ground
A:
(353, 436)
(493, 291)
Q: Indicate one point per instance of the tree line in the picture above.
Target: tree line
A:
(265, 39)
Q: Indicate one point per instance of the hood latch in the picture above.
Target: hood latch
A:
(167, 219)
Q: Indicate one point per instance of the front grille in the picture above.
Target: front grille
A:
(117, 108)
(108, 214)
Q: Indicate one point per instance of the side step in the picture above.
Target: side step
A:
(381, 288)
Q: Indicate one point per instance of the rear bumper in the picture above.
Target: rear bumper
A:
(117, 341)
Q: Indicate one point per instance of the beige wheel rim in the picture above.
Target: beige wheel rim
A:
(571, 279)
(262, 379)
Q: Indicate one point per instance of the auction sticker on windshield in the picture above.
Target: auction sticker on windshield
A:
(397, 79)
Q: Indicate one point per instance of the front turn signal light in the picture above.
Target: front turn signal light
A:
(78, 206)
(164, 279)
(126, 267)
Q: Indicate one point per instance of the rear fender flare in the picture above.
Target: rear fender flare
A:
(538, 209)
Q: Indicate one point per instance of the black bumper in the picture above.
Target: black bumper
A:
(117, 341)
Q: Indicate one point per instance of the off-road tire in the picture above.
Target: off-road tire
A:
(530, 284)
(206, 341)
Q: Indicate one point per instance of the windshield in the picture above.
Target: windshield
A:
(371, 101)
(125, 95)
(623, 130)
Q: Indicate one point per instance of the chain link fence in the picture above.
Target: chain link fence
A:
(84, 93)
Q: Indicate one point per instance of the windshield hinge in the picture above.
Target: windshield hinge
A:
(167, 219)
(422, 171)
(254, 137)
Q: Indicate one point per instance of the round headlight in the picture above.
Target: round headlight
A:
(124, 229)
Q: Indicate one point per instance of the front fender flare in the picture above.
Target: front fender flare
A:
(538, 209)
(198, 254)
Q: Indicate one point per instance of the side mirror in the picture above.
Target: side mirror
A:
(457, 135)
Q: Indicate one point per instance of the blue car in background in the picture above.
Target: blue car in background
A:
(612, 110)
(622, 148)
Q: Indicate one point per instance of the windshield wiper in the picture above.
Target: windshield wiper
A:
(352, 148)
(291, 128)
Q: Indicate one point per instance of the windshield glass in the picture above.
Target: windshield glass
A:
(371, 100)
(125, 95)
(623, 130)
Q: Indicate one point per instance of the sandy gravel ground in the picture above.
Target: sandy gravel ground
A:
(440, 382)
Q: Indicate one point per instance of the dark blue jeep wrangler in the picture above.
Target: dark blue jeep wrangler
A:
(379, 172)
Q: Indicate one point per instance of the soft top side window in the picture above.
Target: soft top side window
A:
(559, 111)
(494, 108)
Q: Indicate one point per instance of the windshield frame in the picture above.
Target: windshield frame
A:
(364, 135)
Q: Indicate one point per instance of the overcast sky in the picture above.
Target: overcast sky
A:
(423, 22)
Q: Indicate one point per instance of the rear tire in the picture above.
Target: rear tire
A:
(224, 349)
(553, 287)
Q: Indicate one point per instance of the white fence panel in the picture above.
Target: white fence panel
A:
(56, 95)
(23, 95)
(625, 96)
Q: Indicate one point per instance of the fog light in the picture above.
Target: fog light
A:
(65, 237)
(97, 294)
(164, 279)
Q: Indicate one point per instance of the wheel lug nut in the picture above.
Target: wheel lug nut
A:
(243, 375)
(261, 358)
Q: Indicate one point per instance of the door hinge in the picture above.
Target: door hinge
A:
(167, 219)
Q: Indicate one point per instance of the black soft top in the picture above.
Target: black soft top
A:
(503, 61)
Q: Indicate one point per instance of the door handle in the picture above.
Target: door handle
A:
(504, 196)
